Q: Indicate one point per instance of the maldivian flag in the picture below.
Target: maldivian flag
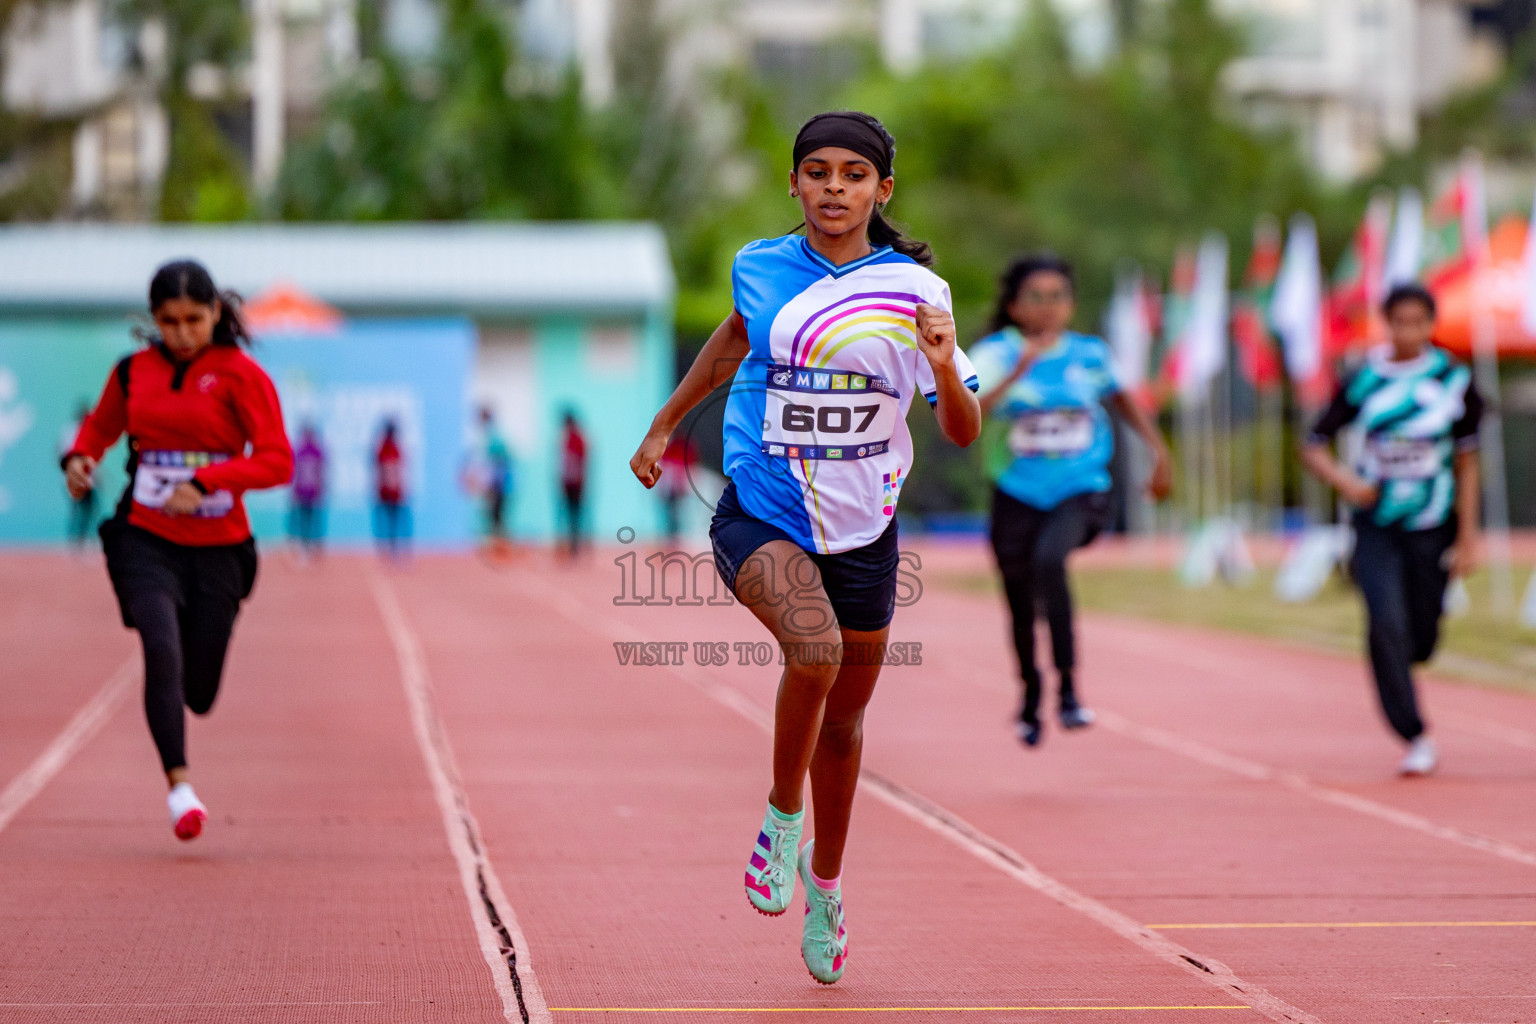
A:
(1256, 353)
(1129, 329)
(1457, 227)
(1296, 311)
(1354, 300)
(1176, 310)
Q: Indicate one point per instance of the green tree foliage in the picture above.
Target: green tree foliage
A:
(1022, 149)
(460, 134)
(205, 179)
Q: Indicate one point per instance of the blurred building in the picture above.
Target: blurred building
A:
(1351, 76)
(1354, 76)
(69, 60)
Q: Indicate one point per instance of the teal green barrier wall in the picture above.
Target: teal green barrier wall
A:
(47, 367)
(615, 404)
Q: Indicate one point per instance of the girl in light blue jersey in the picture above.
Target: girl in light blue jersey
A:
(1044, 391)
(833, 334)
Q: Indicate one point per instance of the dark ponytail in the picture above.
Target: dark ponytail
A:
(1019, 271)
(883, 232)
(864, 134)
(189, 279)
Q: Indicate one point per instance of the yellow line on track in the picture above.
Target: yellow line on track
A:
(867, 1009)
(1352, 924)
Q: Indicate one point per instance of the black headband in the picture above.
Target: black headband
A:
(846, 131)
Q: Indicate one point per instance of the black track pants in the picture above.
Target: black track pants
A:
(183, 601)
(1402, 577)
(1031, 546)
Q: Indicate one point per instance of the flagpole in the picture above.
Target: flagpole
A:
(1191, 457)
(1485, 368)
(1274, 434)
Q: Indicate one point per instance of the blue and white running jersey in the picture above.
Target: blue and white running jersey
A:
(816, 434)
(1050, 438)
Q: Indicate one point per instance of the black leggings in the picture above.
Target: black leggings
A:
(1031, 546)
(183, 601)
(1402, 577)
(573, 510)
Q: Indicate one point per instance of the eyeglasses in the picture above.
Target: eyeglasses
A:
(1043, 298)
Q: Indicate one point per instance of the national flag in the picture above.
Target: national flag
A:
(1175, 308)
(1457, 230)
(1205, 335)
(1129, 329)
(1354, 302)
(1257, 357)
(1297, 315)
(1405, 250)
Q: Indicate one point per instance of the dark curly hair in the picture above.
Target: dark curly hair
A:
(1020, 270)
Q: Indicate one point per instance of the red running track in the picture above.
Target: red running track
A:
(402, 761)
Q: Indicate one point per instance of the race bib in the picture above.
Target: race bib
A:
(828, 414)
(1058, 432)
(160, 472)
(1402, 458)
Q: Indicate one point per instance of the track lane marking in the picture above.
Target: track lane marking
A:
(501, 940)
(1349, 924)
(1194, 750)
(1197, 751)
(969, 838)
(874, 1009)
(86, 723)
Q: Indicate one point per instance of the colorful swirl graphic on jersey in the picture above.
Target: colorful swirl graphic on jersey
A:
(826, 332)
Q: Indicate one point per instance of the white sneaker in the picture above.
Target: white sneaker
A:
(1421, 758)
(187, 812)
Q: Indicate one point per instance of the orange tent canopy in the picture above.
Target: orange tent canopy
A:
(284, 309)
(1500, 286)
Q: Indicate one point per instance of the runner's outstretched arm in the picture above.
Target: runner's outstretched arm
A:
(1161, 483)
(1469, 490)
(716, 363)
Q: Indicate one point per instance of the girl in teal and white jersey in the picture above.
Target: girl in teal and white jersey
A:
(833, 335)
(1415, 493)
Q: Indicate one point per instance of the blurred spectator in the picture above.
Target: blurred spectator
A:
(307, 525)
(493, 482)
(392, 517)
(573, 479)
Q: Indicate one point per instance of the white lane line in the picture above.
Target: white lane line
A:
(87, 721)
(1489, 730)
(977, 843)
(1196, 751)
(1233, 665)
(501, 940)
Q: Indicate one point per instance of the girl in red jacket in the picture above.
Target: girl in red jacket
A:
(203, 427)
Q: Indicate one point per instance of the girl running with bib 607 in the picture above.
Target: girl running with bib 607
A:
(203, 427)
(832, 335)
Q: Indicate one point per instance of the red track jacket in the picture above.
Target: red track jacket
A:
(202, 414)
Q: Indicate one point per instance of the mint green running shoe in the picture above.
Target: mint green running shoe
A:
(770, 879)
(824, 938)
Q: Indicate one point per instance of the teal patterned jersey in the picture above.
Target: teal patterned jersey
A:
(1415, 417)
